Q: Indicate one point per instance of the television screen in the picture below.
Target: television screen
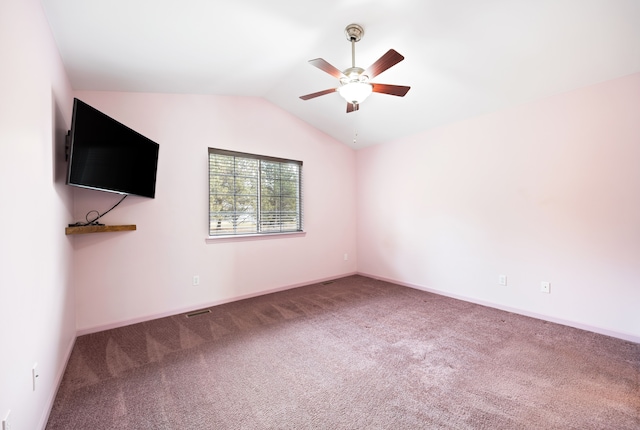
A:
(109, 156)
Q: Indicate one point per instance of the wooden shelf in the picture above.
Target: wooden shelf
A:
(97, 229)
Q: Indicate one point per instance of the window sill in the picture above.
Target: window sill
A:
(246, 237)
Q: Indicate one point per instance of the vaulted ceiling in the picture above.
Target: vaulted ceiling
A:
(463, 58)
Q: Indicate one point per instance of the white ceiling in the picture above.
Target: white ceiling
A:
(462, 57)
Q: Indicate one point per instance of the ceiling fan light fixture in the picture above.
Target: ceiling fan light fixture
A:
(355, 92)
(354, 82)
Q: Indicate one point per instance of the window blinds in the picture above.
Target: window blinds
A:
(252, 194)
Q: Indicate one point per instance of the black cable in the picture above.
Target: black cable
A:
(93, 221)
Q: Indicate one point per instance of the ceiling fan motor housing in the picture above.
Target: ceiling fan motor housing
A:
(354, 74)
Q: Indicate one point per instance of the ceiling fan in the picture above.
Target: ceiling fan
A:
(354, 81)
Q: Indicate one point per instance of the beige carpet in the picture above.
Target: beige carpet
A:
(353, 354)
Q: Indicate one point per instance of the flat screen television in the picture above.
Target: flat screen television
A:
(104, 154)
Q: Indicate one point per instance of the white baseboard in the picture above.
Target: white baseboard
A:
(620, 335)
(179, 311)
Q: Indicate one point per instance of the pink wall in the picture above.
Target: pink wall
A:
(132, 276)
(548, 191)
(37, 313)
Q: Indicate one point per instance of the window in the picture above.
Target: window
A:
(253, 194)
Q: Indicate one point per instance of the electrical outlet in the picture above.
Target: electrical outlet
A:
(502, 279)
(6, 425)
(346, 256)
(34, 375)
(545, 287)
(196, 280)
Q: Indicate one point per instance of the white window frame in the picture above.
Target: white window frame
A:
(242, 212)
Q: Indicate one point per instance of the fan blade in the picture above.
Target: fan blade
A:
(326, 67)
(393, 90)
(352, 107)
(318, 94)
(391, 58)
